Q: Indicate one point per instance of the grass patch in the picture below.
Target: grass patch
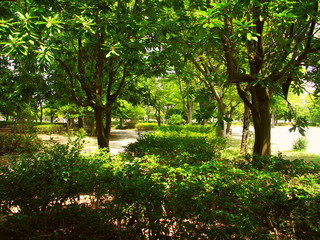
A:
(308, 157)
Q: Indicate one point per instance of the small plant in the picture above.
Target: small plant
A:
(300, 144)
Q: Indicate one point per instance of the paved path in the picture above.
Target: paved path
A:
(282, 139)
(119, 139)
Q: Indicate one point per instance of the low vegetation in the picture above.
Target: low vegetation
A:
(162, 188)
(146, 126)
(18, 144)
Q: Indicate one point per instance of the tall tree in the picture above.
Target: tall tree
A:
(100, 45)
(265, 43)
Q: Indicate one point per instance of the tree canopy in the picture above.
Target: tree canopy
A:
(98, 48)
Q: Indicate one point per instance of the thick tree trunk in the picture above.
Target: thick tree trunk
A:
(245, 131)
(261, 120)
(102, 140)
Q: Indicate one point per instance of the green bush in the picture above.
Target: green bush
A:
(187, 128)
(49, 128)
(154, 197)
(40, 194)
(38, 128)
(175, 148)
(146, 126)
(17, 144)
(300, 144)
(176, 119)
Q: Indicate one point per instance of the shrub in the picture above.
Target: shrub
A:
(38, 128)
(49, 128)
(40, 194)
(146, 126)
(17, 144)
(176, 119)
(143, 198)
(187, 128)
(176, 148)
(300, 144)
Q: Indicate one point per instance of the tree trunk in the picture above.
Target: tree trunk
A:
(261, 120)
(51, 116)
(220, 128)
(158, 117)
(41, 112)
(80, 122)
(102, 140)
(120, 122)
(229, 123)
(189, 112)
(245, 130)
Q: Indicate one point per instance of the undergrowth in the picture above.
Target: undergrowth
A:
(61, 194)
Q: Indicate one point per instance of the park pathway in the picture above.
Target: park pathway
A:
(282, 139)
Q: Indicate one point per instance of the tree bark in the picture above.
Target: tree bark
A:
(41, 112)
(220, 128)
(189, 111)
(158, 117)
(107, 129)
(261, 120)
(259, 106)
(229, 123)
(102, 139)
(245, 130)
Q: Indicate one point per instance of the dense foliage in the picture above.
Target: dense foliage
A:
(179, 144)
(61, 193)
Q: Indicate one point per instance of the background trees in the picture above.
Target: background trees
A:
(96, 49)
(264, 44)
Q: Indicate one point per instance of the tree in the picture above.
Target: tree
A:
(163, 95)
(100, 45)
(265, 43)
